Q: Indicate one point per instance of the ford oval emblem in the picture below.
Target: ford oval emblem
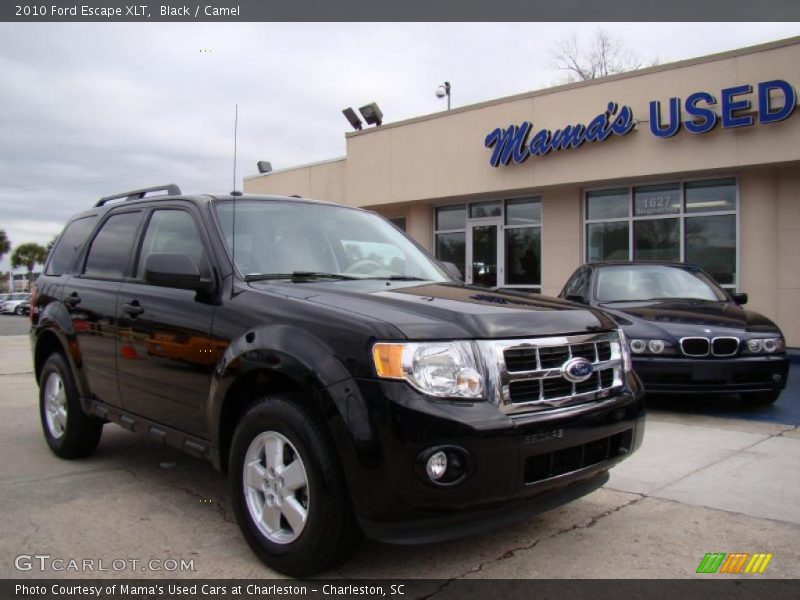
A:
(577, 369)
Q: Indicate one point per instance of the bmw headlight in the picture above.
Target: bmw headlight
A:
(441, 369)
(766, 345)
(642, 346)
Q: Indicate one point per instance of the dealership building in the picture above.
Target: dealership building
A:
(697, 161)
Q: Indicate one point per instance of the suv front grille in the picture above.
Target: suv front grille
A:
(528, 375)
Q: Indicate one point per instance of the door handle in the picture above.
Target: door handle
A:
(133, 309)
(72, 300)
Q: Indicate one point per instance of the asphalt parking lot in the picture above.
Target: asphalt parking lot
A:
(700, 483)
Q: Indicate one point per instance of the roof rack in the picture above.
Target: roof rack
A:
(171, 189)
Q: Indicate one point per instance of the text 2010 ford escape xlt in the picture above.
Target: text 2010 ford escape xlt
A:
(338, 374)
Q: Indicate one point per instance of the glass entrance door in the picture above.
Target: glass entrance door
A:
(484, 261)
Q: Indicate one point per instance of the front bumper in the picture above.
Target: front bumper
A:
(712, 375)
(519, 466)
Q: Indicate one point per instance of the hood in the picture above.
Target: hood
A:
(687, 317)
(449, 310)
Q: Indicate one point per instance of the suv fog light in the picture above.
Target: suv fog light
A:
(437, 465)
(637, 346)
(754, 345)
(656, 346)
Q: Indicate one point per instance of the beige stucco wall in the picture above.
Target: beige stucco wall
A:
(323, 181)
(561, 237)
(788, 292)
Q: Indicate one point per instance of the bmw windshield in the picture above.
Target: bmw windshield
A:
(281, 239)
(631, 283)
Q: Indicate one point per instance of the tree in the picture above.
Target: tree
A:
(605, 55)
(28, 255)
(5, 244)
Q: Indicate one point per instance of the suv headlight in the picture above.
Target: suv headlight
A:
(625, 351)
(441, 369)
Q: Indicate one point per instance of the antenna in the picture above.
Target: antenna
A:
(233, 193)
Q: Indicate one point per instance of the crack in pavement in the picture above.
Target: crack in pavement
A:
(512, 551)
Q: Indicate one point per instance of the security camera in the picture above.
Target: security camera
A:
(441, 92)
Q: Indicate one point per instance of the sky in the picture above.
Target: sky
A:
(88, 110)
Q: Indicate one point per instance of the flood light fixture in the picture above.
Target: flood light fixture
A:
(351, 116)
(372, 114)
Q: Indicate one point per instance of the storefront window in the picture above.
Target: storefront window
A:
(607, 241)
(481, 210)
(523, 242)
(524, 211)
(524, 256)
(657, 239)
(451, 217)
(451, 235)
(655, 200)
(694, 222)
(711, 245)
(708, 196)
(608, 204)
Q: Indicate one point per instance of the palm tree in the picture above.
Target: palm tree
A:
(5, 244)
(28, 255)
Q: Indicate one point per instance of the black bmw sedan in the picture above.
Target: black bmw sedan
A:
(686, 333)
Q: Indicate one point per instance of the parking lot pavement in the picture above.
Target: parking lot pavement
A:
(14, 325)
(699, 484)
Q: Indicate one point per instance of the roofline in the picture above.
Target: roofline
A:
(689, 62)
(297, 167)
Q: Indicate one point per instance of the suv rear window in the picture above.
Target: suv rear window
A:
(69, 243)
(110, 253)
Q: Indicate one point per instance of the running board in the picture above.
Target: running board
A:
(157, 432)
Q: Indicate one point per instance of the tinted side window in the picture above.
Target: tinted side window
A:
(173, 232)
(111, 248)
(69, 244)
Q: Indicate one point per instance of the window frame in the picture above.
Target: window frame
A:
(70, 268)
(682, 215)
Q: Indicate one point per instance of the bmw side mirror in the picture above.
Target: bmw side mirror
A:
(175, 271)
(740, 299)
(453, 270)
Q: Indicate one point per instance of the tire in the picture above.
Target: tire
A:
(69, 431)
(761, 398)
(19, 311)
(298, 547)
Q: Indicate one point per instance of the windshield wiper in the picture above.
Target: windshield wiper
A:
(399, 278)
(298, 276)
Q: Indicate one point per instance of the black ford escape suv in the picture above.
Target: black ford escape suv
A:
(339, 375)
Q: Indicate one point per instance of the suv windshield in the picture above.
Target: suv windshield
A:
(275, 239)
(628, 283)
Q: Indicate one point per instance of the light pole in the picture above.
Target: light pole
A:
(444, 90)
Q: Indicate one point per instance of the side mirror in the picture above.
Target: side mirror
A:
(740, 299)
(174, 270)
(574, 298)
(453, 270)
